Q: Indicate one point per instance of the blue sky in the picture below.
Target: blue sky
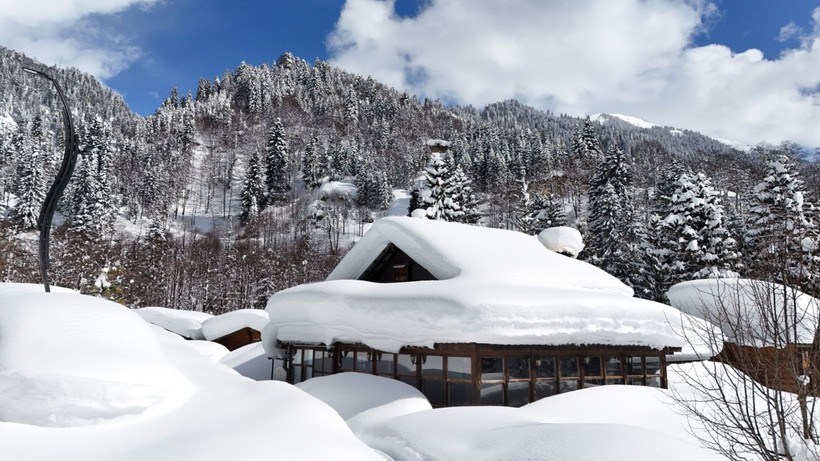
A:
(673, 62)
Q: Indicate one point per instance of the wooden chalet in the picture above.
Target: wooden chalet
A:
(470, 316)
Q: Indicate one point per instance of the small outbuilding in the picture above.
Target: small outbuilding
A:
(470, 316)
(235, 329)
(768, 330)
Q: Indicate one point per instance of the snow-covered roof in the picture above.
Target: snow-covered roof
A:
(448, 250)
(182, 322)
(229, 322)
(750, 312)
(495, 287)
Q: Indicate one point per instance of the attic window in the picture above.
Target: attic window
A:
(400, 272)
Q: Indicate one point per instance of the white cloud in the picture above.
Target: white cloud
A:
(60, 33)
(629, 56)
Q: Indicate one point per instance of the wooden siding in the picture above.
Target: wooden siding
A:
(777, 368)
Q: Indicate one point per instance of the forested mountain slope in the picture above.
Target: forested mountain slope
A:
(244, 188)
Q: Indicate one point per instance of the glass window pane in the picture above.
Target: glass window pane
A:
(653, 371)
(592, 366)
(411, 380)
(405, 365)
(518, 394)
(461, 394)
(384, 364)
(615, 381)
(518, 367)
(614, 366)
(346, 361)
(653, 365)
(459, 368)
(297, 357)
(544, 389)
(492, 369)
(634, 366)
(327, 362)
(363, 363)
(635, 380)
(566, 385)
(593, 382)
(433, 367)
(297, 374)
(569, 366)
(308, 373)
(492, 394)
(544, 367)
(433, 389)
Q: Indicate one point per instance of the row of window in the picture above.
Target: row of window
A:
(513, 380)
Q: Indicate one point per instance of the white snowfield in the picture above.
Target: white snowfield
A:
(52, 375)
(187, 324)
(494, 286)
(84, 379)
(618, 423)
(743, 307)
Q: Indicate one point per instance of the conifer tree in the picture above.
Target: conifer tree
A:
(695, 242)
(313, 168)
(252, 196)
(30, 182)
(781, 227)
(276, 164)
(615, 239)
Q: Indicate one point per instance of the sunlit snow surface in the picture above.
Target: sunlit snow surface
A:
(750, 312)
(82, 358)
(122, 389)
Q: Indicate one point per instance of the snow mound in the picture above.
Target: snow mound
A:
(212, 351)
(229, 322)
(72, 360)
(562, 239)
(184, 323)
(9, 288)
(250, 361)
(493, 433)
(366, 400)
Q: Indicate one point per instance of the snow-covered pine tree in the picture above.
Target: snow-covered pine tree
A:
(465, 197)
(615, 239)
(373, 191)
(781, 227)
(276, 164)
(252, 195)
(98, 146)
(313, 166)
(30, 185)
(85, 198)
(545, 211)
(696, 244)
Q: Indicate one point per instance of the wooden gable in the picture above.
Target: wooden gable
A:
(394, 265)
